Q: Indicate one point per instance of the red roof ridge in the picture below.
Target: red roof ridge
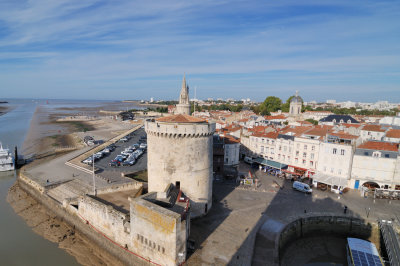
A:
(181, 118)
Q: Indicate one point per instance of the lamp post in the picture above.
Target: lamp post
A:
(94, 182)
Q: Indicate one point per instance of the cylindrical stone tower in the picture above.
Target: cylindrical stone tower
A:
(180, 151)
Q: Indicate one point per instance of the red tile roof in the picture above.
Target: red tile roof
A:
(272, 117)
(378, 145)
(181, 118)
(351, 125)
(393, 133)
(270, 135)
(297, 131)
(344, 135)
(376, 128)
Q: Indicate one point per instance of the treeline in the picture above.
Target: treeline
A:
(353, 111)
(217, 107)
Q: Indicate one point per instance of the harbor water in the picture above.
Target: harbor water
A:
(19, 245)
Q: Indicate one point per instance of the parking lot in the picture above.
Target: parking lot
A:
(113, 173)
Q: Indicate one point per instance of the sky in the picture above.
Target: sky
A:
(115, 50)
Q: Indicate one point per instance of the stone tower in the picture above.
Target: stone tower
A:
(180, 151)
(295, 105)
(184, 105)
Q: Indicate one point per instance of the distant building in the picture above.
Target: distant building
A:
(331, 101)
(372, 132)
(295, 105)
(337, 119)
(392, 135)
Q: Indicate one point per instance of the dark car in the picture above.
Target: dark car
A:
(115, 164)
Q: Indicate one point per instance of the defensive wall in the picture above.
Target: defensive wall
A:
(69, 213)
(274, 236)
(158, 232)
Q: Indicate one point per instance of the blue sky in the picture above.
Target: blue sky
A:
(343, 50)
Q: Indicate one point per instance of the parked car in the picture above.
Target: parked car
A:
(114, 163)
(143, 146)
(128, 162)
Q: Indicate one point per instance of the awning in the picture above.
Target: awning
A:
(330, 180)
(270, 163)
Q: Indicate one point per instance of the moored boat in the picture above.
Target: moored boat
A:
(6, 160)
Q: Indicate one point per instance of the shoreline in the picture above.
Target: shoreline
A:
(44, 222)
(46, 140)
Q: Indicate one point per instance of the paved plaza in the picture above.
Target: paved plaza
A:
(226, 235)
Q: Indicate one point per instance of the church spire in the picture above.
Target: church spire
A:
(184, 96)
(183, 107)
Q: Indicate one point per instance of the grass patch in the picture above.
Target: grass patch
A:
(139, 176)
(79, 126)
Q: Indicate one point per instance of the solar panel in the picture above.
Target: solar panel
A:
(365, 259)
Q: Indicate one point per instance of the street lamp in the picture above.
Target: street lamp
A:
(94, 182)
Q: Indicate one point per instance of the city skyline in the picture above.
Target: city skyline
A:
(233, 49)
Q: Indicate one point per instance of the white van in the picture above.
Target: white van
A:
(302, 187)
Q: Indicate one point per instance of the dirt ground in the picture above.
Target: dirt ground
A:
(49, 226)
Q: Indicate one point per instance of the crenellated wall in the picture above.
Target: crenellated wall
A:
(182, 153)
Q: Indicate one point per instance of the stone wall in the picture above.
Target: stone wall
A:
(157, 233)
(274, 236)
(105, 218)
(70, 216)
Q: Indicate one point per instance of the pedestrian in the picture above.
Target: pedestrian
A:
(345, 209)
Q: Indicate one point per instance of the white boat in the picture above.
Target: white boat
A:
(6, 160)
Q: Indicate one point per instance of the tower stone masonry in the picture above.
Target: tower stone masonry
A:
(180, 151)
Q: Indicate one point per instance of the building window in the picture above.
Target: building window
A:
(312, 155)
(297, 153)
(311, 163)
(267, 141)
(305, 147)
(339, 171)
(334, 150)
(279, 156)
(266, 149)
(263, 140)
(304, 161)
(313, 148)
(376, 154)
(324, 168)
(288, 158)
(272, 142)
(280, 148)
(342, 152)
(304, 154)
(366, 153)
(272, 150)
(262, 148)
(386, 155)
(284, 148)
(296, 160)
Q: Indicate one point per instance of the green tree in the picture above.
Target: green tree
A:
(314, 122)
(271, 104)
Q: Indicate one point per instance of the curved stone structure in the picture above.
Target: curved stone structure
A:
(180, 152)
(273, 236)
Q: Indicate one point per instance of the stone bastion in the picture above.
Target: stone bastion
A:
(181, 154)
